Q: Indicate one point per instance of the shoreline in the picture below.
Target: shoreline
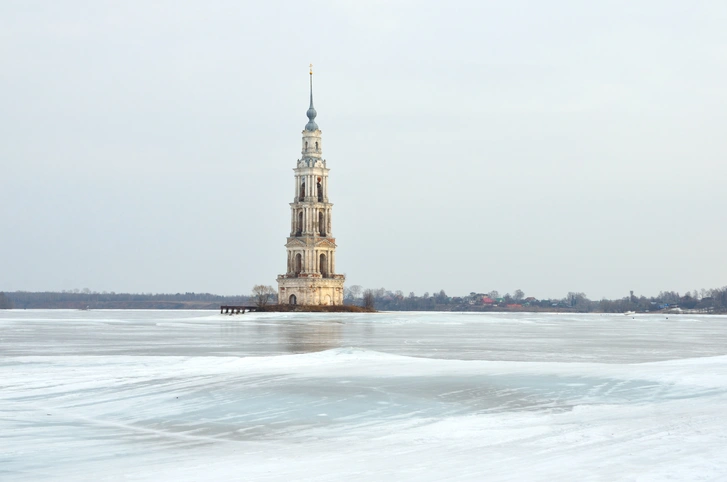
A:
(314, 309)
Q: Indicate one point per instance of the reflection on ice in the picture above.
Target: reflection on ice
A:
(311, 337)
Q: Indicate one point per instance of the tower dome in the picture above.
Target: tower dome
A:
(311, 113)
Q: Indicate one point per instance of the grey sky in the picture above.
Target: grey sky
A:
(548, 146)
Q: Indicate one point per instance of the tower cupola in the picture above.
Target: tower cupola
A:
(311, 126)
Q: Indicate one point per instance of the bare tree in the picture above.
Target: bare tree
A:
(369, 299)
(5, 302)
(262, 294)
(355, 291)
(578, 300)
(352, 293)
(518, 296)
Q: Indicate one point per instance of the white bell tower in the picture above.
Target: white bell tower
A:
(310, 278)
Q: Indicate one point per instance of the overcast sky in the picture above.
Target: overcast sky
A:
(148, 146)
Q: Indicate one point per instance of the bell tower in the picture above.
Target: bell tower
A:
(310, 278)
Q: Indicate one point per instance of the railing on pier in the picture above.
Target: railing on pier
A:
(236, 309)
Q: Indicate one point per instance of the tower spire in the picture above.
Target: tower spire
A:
(311, 125)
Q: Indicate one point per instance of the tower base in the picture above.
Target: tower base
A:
(302, 290)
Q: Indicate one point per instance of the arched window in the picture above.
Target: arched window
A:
(319, 187)
(324, 265)
(292, 300)
(306, 145)
(298, 264)
(321, 223)
(316, 145)
(299, 231)
(302, 190)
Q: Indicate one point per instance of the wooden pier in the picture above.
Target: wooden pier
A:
(234, 309)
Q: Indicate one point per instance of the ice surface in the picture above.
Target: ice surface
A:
(154, 395)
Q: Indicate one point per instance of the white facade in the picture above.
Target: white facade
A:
(310, 277)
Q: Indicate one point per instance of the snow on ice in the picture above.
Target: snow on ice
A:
(183, 396)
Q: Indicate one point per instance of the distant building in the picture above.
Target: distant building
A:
(310, 278)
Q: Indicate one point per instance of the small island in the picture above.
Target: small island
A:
(317, 308)
(277, 308)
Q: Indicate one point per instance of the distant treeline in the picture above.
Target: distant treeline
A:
(703, 301)
(86, 299)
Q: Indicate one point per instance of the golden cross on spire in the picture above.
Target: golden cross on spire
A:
(311, 69)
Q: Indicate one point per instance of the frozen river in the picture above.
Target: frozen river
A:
(183, 396)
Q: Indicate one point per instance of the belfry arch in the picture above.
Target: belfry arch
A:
(323, 265)
(298, 266)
